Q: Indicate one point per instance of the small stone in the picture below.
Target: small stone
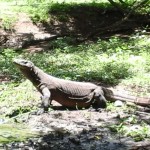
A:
(74, 140)
(118, 103)
(2, 120)
(40, 140)
(21, 144)
(135, 128)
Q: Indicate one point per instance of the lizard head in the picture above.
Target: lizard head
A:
(23, 64)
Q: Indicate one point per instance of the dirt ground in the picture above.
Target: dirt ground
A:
(74, 129)
(76, 22)
(86, 129)
(83, 129)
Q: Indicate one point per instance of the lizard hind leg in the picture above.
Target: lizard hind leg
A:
(99, 99)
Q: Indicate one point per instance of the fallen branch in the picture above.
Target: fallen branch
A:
(144, 145)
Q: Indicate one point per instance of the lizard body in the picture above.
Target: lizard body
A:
(68, 93)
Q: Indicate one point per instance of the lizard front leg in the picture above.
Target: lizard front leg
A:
(45, 100)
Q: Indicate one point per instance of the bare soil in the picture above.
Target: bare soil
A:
(80, 22)
(80, 129)
(73, 129)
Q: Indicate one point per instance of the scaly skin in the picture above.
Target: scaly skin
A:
(68, 93)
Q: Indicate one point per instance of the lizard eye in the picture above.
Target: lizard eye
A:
(26, 62)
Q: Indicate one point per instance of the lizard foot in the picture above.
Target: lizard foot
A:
(39, 111)
(95, 109)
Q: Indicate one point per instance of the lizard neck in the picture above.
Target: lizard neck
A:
(33, 74)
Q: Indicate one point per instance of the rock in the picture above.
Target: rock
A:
(118, 103)
(2, 121)
(135, 128)
(74, 140)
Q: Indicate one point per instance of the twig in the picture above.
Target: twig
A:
(140, 145)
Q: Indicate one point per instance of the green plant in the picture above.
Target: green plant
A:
(131, 127)
(20, 98)
(15, 132)
(137, 132)
(8, 22)
(6, 64)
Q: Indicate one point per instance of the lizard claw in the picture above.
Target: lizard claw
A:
(39, 111)
(42, 111)
(95, 109)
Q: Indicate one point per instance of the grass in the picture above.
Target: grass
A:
(40, 11)
(113, 61)
(17, 98)
(130, 125)
(15, 132)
